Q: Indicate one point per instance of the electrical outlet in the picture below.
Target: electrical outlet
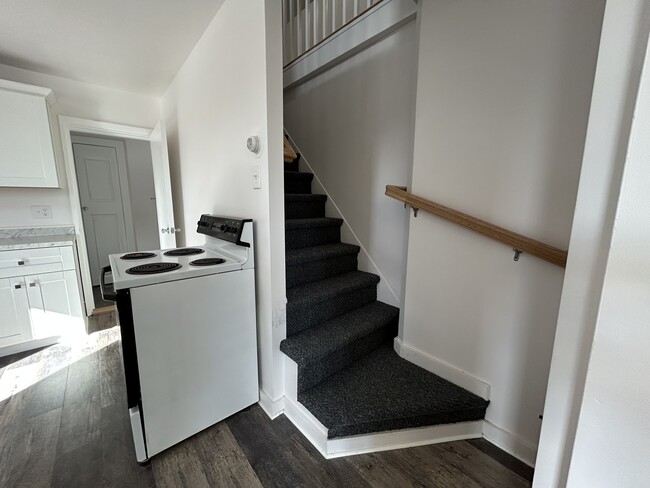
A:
(41, 211)
(257, 182)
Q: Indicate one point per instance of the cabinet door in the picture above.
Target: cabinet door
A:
(15, 325)
(54, 304)
(25, 141)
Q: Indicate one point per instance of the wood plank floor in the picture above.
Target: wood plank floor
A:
(63, 423)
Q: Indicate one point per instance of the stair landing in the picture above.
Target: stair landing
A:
(384, 392)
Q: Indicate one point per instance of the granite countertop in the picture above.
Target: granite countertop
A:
(35, 237)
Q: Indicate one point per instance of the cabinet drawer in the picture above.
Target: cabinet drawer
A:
(21, 262)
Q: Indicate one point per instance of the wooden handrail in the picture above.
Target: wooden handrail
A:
(517, 241)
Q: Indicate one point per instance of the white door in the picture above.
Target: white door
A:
(105, 203)
(15, 325)
(163, 187)
(53, 304)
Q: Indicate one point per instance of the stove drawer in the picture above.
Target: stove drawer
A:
(20, 262)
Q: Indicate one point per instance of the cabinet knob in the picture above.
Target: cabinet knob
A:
(18, 287)
(32, 285)
(21, 263)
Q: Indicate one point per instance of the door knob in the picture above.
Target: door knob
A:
(84, 208)
(174, 230)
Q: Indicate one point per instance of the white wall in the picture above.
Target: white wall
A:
(622, 50)
(228, 89)
(142, 193)
(612, 445)
(354, 126)
(503, 98)
(75, 99)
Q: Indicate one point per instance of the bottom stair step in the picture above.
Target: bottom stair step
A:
(384, 392)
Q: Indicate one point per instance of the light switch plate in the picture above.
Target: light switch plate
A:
(41, 211)
(257, 183)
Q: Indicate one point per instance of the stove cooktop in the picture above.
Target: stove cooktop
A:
(153, 268)
(184, 251)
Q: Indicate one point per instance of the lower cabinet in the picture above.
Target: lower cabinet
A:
(15, 323)
(39, 306)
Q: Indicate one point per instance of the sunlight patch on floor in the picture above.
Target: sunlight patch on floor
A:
(28, 371)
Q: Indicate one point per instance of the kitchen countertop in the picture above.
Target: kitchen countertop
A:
(35, 237)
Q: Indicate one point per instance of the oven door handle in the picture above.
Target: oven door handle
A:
(108, 293)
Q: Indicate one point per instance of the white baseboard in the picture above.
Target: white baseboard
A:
(513, 445)
(400, 439)
(443, 369)
(311, 428)
(272, 408)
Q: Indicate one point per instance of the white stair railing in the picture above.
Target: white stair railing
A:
(307, 23)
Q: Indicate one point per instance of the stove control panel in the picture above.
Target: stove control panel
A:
(225, 228)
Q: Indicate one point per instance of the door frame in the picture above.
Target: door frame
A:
(68, 125)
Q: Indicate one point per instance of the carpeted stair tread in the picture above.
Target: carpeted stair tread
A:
(382, 392)
(295, 224)
(304, 197)
(318, 253)
(316, 343)
(322, 290)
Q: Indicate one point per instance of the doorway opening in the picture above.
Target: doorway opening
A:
(118, 200)
(120, 195)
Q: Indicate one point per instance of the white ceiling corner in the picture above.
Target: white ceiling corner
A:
(132, 45)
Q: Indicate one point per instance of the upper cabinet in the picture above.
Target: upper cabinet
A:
(26, 152)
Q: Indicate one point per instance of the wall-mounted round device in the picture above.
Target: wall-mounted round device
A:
(253, 144)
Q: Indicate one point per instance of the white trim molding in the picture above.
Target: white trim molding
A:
(443, 369)
(513, 445)
(40, 91)
(272, 408)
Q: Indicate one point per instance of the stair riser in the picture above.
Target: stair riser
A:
(305, 315)
(297, 185)
(313, 373)
(302, 274)
(316, 236)
(304, 210)
(452, 417)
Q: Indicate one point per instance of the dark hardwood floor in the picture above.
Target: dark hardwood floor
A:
(63, 423)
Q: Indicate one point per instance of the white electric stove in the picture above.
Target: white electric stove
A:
(189, 339)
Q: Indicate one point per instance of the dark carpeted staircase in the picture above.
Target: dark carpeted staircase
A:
(340, 336)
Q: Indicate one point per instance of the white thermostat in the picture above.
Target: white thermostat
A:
(253, 144)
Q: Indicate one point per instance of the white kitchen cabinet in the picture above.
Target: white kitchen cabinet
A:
(39, 298)
(26, 150)
(15, 323)
(54, 304)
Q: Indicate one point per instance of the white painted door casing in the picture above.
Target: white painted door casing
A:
(163, 187)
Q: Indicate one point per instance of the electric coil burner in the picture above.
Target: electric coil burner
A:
(138, 255)
(153, 268)
(184, 251)
(207, 261)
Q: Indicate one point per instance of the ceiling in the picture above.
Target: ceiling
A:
(133, 45)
